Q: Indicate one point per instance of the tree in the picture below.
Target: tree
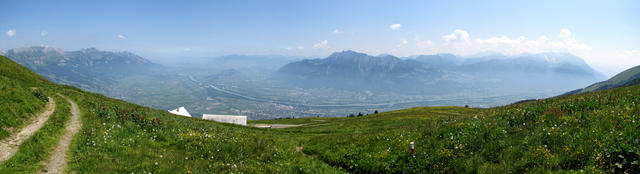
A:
(375, 112)
(359, 114)
(351, 115)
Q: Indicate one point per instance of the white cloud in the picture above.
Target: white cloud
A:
(187, 49)
(10, 33)
(501, 40)
(632, 52)
(459, 42)
(300, 47)
(43, 33)
(457, 35)
(338, 31)
(323, 44)
(395, 26)
(424, 43)
(541, 40)
(568, 42)
(121, 36)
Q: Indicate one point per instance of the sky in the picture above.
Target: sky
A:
(604, 33)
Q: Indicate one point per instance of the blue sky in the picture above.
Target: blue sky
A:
(605, 33)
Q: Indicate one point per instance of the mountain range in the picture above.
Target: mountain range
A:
(87, 68)
(441, 72)
(265, 87)
(351, 70)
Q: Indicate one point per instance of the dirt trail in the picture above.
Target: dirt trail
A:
(58, 160)
(9, 146)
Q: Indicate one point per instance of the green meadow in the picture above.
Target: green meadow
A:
(596, 132)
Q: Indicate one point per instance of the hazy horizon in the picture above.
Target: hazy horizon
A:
(602, 33)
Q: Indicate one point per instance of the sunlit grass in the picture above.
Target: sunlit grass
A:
(595, 132)
(39, 147)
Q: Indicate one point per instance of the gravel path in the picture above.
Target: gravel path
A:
(9, 146)
(58, 160)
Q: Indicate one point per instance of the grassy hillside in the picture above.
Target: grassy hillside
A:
(628, 77)
(119, 137)
(38, 147)
(19, 101)
(595, 132)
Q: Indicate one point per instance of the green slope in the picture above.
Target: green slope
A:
(22, 95)
(39, 146)
(19, 73)
(594, 132)
(19, 101)
(119, 137)
(628, 77)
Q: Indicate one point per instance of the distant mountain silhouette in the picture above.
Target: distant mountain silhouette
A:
(441, 72)
(87, 68)
(350, 69)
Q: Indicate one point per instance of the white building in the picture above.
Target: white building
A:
(180, 111)
(235, 119)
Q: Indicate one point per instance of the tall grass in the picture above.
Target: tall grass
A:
(596, 132)
(19, 105)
